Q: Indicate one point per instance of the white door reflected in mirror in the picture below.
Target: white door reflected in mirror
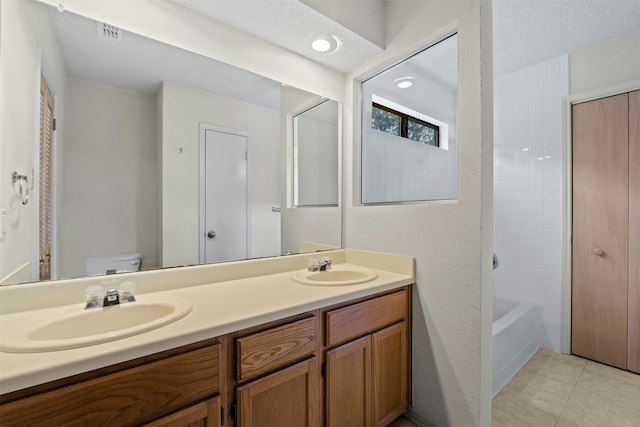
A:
(224, 206)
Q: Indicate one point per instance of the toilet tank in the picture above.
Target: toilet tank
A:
(114, 263)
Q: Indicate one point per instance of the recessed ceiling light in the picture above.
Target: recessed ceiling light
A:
(324, 43)
(321, 45)
(404, 82)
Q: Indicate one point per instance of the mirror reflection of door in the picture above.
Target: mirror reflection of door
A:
(225, 205)
(46, 177)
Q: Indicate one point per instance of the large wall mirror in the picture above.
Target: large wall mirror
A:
(149, 141)
(409, 128)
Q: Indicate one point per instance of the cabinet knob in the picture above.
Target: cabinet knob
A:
(598, 252)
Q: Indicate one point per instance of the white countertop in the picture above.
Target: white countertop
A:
(218, 308)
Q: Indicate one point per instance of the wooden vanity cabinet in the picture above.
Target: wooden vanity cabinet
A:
(278, 375)
(269, 375)
(181, 387)
(203, 414)
(367, 361)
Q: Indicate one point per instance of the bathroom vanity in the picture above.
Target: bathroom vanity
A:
(257, 350)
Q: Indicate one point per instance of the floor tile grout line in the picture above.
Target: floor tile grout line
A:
(571, 393)
(515, 415)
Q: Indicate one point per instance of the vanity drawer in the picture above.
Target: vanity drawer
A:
(354, 321)
(129, 397)
(275, 348)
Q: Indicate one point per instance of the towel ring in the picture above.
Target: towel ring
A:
(23, 186)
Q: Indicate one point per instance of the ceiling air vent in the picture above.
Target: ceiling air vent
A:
(109, 31)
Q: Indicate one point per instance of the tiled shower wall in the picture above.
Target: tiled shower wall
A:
(527, 188)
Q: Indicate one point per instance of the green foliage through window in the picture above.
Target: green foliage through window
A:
(396, 123)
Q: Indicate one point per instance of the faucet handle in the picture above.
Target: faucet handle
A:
(313, 264)
(93, 295)
(126, 291)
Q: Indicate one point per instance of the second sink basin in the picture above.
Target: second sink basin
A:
(62, 328)
(339, 275)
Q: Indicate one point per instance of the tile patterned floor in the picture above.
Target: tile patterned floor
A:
(558, 390)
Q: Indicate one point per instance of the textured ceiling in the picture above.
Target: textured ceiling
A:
(289, 24)
(526, 32)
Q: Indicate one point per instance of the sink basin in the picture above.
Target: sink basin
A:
(339, 275)
(72, 326)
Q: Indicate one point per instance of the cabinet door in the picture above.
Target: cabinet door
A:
(205, 414)
(389, 366)
(348, 384)
(286, 398)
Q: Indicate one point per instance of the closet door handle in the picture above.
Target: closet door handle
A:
(598, 252)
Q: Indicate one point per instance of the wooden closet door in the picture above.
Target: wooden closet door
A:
(600, 230)
(633, 354)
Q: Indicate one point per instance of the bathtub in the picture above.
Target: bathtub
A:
(517, 335)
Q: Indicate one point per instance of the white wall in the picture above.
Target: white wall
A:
(110, 176)
(450, 241)
(605, 64)
(528, 188)
(182, 112)
(26, 38)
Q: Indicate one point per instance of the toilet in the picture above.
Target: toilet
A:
(113, 264)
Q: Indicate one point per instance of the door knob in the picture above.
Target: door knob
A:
(598, 252)
(211, 234)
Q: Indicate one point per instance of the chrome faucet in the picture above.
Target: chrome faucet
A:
(113, 296)
(323, 265)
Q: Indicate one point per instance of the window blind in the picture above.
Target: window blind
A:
(46, 179)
